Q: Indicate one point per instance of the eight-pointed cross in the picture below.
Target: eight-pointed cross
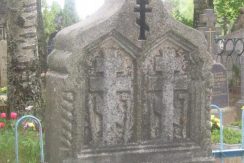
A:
(142, 9)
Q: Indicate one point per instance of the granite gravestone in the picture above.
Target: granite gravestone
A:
(129, 84)
(220, 89)
(220, 94)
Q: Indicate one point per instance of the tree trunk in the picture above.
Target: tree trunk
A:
(23, 58)
(42, 47)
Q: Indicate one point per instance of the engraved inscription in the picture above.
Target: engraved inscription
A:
(219, 84)
(220, 94)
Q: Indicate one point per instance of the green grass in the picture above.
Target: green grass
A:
(29, 149)
(237, 124)
(231, 136)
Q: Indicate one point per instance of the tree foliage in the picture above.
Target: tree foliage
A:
(227, 12)
(183, 11)
(50, 16)
(178, 16)
(56, 18)
(69, 13)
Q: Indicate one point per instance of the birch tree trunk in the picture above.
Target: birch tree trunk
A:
(23, 59)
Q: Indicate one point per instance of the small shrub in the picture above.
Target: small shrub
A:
(3, 90)
(215, 123)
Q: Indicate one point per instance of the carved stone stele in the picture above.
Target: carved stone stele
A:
(114, 97)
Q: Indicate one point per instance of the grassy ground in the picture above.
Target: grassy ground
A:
(28, 146)
(231, 136)
(237, 124)
(29, 149)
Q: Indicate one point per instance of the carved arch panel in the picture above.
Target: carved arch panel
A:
(110, 95)
(162, 77)
(165, 84)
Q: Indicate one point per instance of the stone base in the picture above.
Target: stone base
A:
(144, 154)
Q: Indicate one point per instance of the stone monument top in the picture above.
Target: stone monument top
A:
(129, 17)
(129, 84)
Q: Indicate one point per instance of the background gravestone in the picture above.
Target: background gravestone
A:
(129, 84)
(208, 20)
(3, 63)
(237, 34)
(3, 44)
(199, 7)
(220, 95)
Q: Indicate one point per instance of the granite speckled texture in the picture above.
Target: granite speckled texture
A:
(113, 98)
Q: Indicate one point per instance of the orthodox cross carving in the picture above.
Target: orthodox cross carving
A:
(142, 9)
(110, 97)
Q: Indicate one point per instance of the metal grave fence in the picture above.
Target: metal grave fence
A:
(222, 153)
(36, 120)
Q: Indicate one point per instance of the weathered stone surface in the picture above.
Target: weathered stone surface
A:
(239, 23)
(199, 7)
(208, 19)
(3, 10)
(122, 87)
(241, 101)
(220, 95)
(237, 52)
(3, 44)
(3, 63)
(232, 51)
